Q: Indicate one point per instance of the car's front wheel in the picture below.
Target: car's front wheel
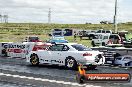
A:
(34, 59)
(70, 63)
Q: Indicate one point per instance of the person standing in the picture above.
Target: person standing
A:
(80, 35)
(75, 36)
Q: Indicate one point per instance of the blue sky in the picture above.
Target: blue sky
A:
(124, 11)
(65, 11)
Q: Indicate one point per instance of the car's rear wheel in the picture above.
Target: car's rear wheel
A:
(103, 44)
(34, 59)
(4, 52)
(70, 63)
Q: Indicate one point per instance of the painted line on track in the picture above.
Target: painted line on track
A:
(47, 80)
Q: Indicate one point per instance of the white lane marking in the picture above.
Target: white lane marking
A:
(47, 80)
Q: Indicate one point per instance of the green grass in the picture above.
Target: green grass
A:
(19, 38)
(31, 26)
(15, 32)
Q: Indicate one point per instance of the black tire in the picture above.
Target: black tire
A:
(4, 52)
(115, 55)
(80, 79)
(103, 44)
(34, 60)
(70, 63)
(93, 44)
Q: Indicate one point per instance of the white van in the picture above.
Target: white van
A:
(105, 39)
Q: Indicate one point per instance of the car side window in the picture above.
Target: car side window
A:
(50, 48)
(99, 31)
(114, 37)
(56, 48)
(103, 31)
(100, 36)
(65, 48)
(105, 37)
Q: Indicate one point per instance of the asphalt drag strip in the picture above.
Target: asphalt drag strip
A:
(18, 73)
(39, 81)
(31, 81)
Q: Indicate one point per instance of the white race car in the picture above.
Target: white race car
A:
(66, 54)
(125, 60)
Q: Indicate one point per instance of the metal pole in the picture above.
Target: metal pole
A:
(49, 16)
(115, 17)
(1, 18)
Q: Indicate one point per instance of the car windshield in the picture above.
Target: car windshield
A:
(93, 31)
(98, 36)
(127, 58)
(118, 58)
(58, 38)
(114, 37)
(80, 47)
(33, 38)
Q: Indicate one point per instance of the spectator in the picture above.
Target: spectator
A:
(81, 35)
(75, 36)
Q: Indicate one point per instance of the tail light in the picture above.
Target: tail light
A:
(87, 54)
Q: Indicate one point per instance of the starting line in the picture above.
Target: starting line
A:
(47, 80)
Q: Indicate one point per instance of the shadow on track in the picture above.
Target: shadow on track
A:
(58, 67)
(50, 67)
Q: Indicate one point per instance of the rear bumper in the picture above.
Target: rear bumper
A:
(98, 60)
(87, 63)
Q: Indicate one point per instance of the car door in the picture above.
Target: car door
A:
(105, 39)
(99, 39)
(56, 53)
(64, 53)
(45, 56)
